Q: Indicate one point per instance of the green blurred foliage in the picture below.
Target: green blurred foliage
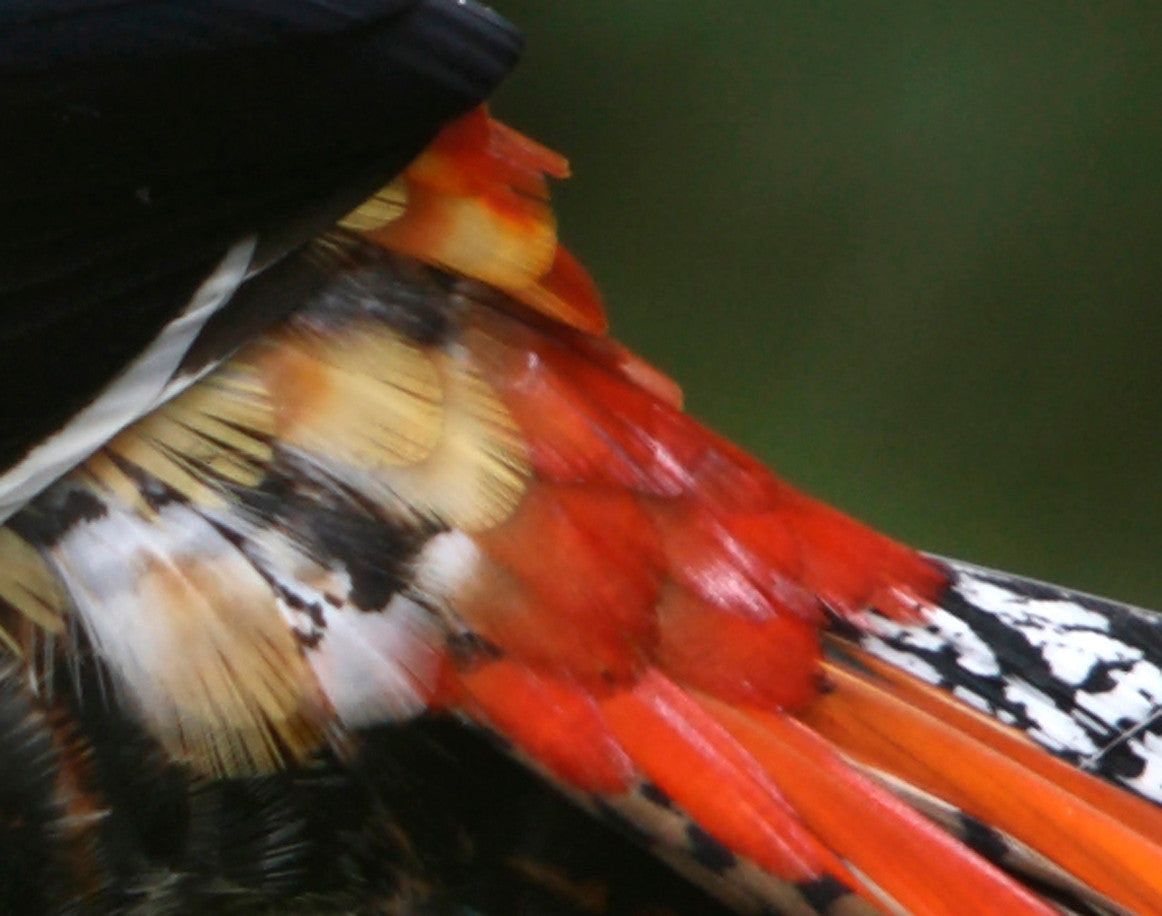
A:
(906, 252)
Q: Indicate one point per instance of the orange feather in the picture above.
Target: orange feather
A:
(656, 602)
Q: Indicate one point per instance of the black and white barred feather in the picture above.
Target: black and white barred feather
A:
(1080, 675)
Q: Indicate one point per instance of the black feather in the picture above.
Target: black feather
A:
(142, 139)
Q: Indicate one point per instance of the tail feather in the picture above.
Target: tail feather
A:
(416, 496)
(1080, 676)
(920, 868)
(935, 755)
(1134, 811)
(1031, 867)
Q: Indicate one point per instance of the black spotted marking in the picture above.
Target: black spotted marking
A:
(1101, 678)
(996, 847)
(844, 628)
(823, 892)
(709, 852)
(312, 610)
(155, 493)
(1013, 648)
(1027, 691)
(334, 527)
(378, 554)
(54, 513)
(468, 648)
(295, 603)
(655, 794)
(982, 838)
(1123, 761)
(307, 640)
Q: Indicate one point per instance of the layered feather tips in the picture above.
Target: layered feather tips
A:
(435, 487)
(241, 563)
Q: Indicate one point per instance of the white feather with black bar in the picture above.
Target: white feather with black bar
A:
(1080, 675)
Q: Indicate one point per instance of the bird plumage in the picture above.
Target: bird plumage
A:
(158, 153)
(428, 484)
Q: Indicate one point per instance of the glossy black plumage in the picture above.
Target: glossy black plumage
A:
(142, 139)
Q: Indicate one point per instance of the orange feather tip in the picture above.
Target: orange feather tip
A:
(1135, 812)
(918, 866)
(690, 756)
(933, 743)
(558, 725)
(476, 202)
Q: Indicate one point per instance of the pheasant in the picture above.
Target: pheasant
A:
(349, 565)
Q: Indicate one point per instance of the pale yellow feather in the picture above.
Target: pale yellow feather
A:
(413, 428)
(28, 586)
(218, 432)
(365, 395)
(385, 206)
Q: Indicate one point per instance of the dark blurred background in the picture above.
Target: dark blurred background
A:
(908, 253)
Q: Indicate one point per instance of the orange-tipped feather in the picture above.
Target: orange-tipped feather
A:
(908, 858)
(556, 724)
(883, 731)
(690, 757)
(1130, 810)
(476, 202)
